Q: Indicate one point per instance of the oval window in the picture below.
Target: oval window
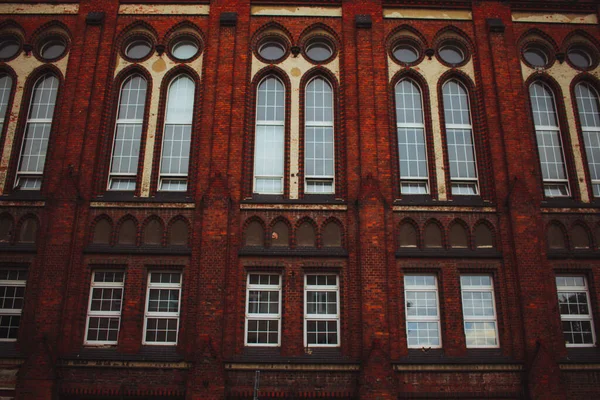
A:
(319, 50)
(8, 48)
(451, 54)
(184, 49)
(138, 49)
(580, 58)
(53, 49)
(406, 53)
(271, 50)
(535, 56)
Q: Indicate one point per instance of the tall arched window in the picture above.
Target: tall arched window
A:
(128, 134)
(37, 133)
(175, 158)
(589, 117)
(5, 88)
(549, 142)
(459, 137)
(412, 152)
(319, 163)
(270, 133)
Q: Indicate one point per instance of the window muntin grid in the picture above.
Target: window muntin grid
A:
(128, 134)
(422, 311)
(12, 295)
(319, 162)
(175, 156)
(549, 141)
(163, 299)
(575, 311)
(479, 311)
(589, 118)
(263, 310)
(412, 147)
(5, 89)
(321, 311)
(459, 139)
(37, 133)
(104, 308)
(270, 133)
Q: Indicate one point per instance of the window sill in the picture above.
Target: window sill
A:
(423, 200)
(132, 249)
(110, 353)
(18, 248)
(279, 199)
(29, 195)
(473, 356)
(272, 355)
(159, 197)
(451, 253)
(575, 254)
(299, 251)
(582, 355)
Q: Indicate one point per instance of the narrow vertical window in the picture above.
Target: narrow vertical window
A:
(412, 152)
(175, 158)
(319, 163)
(5, 88)
(263, 310)
(575, 311)
(459, 137)
(549, 142)
(479, 311)
(270, 132)
(422, 311)
(104, 310)
(12, 294)
(161, 325)
(37, 133)
(322, 310)
(589, 117)
(128, 134)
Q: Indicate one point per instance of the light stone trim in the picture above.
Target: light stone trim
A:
(14, 8)
(119, 204)
(22, 203)
(444, 209)
(569, 210)
(295, 207)
(164, 9)
(458, 367)
(554, 18)
(291, 11)
(579, 367)
(125, 364)
(291, 367)
(425, 13)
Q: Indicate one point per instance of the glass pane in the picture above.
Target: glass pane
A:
(185, 49)
(8, 48)
(406, 53)
(53, 49)
(138, 49)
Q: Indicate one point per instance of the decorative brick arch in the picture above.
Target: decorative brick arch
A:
(529, 37)
(467, 231)
(272, 224)
(492, 229)
(162, 227)
(413, 223)
(326, 222)
(19, 226)
(563, 230)
(247, 223)
(95, 221)
(119, 225)
(170, 226)
(586, 230)
(438, 224)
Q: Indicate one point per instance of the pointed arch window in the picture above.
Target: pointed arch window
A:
(459, 138)
(549, 142)
(318, 146)
(270, 134)
(37, 133)
(128, 134)
(177, 135)
(589, 117)
(5, 89)
(412, 152)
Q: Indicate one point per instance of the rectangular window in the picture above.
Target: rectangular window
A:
(263, 310)
(479, 311)
(163, 298)
(321, 310)
(12, 294)
(104, 309)
(575, 311)
(422, 311)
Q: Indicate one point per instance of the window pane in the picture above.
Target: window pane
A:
(5, 88)
(589, 117)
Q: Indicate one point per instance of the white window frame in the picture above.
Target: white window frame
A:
(261, 316)
(589, 130)
(322, 317)
(5, 93)
(11, 312)
(494, 318)
(578, 317)
(162, 314)
(103, 314)
(417, 318)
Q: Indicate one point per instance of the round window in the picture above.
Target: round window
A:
(271, 50)
(8, 48)
(138, 49)
(580, 58)
(319, 50)
(452, 54)
(184, 49)
(406, 53)
(53, 49)
(535, 56)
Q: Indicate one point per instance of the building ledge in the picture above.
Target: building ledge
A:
(298, 251)
(124, 249)
(450, 253)
(147, 357)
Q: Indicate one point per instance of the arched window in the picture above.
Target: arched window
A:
(589, 117)
(556, 238)
(580, 238)
(5, 88)
(37, 133)
(408, 235)
(128, 134)
(319, 162)
(280, 236)
(178, 234)
(28, 230)
(153, 233)
(177, 134)
(459, 238)
(412, 150)
(483, 237)
(332, 235)
(305, 235)
(254, 235)
(433, 236)
(102, 231)
(459, 137)
(549, 142)
(128, 233)
(270, 132)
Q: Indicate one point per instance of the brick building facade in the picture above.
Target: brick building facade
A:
(315, 199)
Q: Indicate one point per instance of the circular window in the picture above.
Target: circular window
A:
(271, 50)
(536, 57)
(53, 49)
(580, 57)
(138, 49)
(319, 50)
(9, 48)
(451, 54)
(406, 53)
(184, 49)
